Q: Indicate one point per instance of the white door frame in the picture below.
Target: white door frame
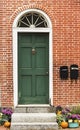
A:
(15, 52)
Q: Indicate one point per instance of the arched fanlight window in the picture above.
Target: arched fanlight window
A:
(32, 20)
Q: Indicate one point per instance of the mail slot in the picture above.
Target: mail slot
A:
(74, 71)
(64, 72)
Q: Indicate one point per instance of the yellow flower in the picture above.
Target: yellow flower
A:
(75, 120)
(59, 112)
(70, 120)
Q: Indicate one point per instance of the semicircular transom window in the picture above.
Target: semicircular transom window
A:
(32, 20)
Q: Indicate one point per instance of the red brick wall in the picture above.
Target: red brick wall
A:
(65, 18)
(66, 46)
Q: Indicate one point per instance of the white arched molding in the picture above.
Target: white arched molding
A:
(15, 51)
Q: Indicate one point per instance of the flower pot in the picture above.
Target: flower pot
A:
(73, 124)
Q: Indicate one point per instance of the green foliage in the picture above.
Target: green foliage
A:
(60, 118)
(75, 110)
(3, 118)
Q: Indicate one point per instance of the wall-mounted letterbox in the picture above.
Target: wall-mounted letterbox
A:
(74, 71)
(64, 72)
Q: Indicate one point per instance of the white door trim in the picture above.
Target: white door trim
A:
(15, 52)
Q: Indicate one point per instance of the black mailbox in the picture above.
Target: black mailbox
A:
(74, 71)
(64, 72)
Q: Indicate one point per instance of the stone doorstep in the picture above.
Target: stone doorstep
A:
(34, 126)
(34, 109)
(34, 121)
(33, 117)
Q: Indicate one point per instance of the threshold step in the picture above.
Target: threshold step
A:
(34, 109)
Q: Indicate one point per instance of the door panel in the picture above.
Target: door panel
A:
(26, 80)
(40, 85)
(25, 55)
(33, 81)
(40, 57)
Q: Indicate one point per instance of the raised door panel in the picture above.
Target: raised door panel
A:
(26, 57)
(40, 57)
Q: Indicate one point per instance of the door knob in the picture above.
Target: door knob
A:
(47, 72)
(33, 51)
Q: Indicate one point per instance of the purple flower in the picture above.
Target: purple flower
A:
(67, 110)
(73, 116)
(59, 108)
(7, 111)
(64, 112)
(78, 116)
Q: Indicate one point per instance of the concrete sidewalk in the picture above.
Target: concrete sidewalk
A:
(71, 129)
(3, 128)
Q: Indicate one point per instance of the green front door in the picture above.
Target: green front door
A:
(33, 68)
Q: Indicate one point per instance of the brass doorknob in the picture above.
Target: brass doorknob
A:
(33, 51)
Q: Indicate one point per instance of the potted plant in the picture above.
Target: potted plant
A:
(7, 112)
(73, 120)
(75, 111)
(61, 118)
(5, 117)
(69, 115)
